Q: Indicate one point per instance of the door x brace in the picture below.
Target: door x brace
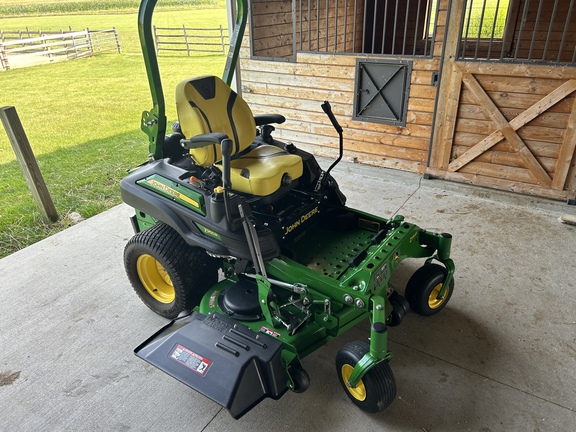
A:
(508, 129)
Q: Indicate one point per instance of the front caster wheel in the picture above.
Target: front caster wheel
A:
(423, 288)
(168, 275)
(376, 390)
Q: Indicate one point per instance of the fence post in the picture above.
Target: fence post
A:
(47, 48)
(156, 41)
(186, 40)
(27, 161)
(4, 58)
(222, 39)
(74, 47)
(89, 38)
(117, 40)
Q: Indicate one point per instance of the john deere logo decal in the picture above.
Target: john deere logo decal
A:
(169, 191)
(300, 221)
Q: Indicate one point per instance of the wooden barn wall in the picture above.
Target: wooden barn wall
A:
(273, 19)
(496, 124)
(329, 29)
(296, 90)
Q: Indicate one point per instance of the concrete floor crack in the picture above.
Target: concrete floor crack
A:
(212, 419)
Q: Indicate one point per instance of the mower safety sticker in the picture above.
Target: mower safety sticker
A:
(190, 359)
(381, 275)
(212, 302)
(269, 332)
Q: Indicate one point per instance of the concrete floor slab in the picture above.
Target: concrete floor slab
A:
(500, 357)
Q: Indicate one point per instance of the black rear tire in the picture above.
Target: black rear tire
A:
(167, 274)
(377, 388)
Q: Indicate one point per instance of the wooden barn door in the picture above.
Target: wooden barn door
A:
(506, 126)
(509, 127)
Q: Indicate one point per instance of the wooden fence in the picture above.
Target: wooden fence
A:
(188, 39)
(26, 48)
(27, 33)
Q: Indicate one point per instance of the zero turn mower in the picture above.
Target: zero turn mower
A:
(246, 244)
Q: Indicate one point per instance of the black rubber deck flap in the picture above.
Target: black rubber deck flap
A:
(220, 358)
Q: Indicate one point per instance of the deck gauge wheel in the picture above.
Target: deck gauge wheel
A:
(424, 287)
(376, 390)
(300, 378)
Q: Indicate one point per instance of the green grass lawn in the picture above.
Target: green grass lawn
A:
(29, 7)
(82, 118)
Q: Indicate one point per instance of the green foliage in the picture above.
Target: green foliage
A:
(482, 16)
(82, 179)
(485, 19)
(66, 7)
(82, 119)
(125, 23)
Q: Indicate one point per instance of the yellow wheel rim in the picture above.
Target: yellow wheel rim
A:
(155, 279)
(433, 301)
(358, 392)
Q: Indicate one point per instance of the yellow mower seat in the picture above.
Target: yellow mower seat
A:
(207, 104)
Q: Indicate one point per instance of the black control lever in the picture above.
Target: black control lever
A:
(328, 110)
(226, 147)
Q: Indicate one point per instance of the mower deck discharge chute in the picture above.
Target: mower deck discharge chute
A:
(244, 367)
(248, 246)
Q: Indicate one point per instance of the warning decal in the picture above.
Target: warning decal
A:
(269, 332)
(190, 359)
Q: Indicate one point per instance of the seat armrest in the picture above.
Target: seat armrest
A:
(264, 119)
(203, 140)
